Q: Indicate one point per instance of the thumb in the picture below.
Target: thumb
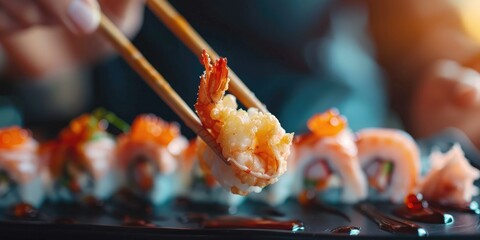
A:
(79, 16)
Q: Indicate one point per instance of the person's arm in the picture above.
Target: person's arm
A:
(412, 37)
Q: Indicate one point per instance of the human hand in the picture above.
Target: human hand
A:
(42, 37)
(448, 96)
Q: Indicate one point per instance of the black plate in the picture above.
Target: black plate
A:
(169, 221)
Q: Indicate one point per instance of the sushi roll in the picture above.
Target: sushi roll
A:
(81, 161)
(391, 161)
(328, 169)
(148, 156)
(450, 180)
(22, 177)
(277, 193)
(199, 184)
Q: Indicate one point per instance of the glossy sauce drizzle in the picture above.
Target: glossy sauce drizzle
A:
(472, 207)
(253, 223)
(389, 224)
(348, 230)
(416, 209)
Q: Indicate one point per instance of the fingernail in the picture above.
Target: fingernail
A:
(85, 15)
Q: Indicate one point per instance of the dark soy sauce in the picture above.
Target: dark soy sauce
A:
(253, 223)
(472, 207)
(24, 211)
(426, 215)
(416, 209)
(389, 224)
(347, 230)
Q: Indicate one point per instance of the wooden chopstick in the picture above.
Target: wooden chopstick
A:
(156, 81)
(185, 32)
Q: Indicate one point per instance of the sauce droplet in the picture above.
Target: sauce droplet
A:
(348, 230)
(415, 202)
(472, 207)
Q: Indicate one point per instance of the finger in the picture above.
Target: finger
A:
(119, 9)
(446, 69)
(126, 14)
(25, 12)
(79, 16)
(463, 82)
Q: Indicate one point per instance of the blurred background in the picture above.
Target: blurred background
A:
(407, 64)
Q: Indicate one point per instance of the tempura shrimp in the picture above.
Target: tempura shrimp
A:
(252, 141)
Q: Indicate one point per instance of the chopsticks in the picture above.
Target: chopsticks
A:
(185, 32)
(156, 81)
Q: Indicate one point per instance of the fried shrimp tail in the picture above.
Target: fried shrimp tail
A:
(253, 141)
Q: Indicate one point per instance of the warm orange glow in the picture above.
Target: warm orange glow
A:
(152, 128)
(13, 137)
(469, 12)
(327, 124)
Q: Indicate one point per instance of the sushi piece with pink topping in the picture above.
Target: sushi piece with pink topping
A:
(327, 165)
(391, 161)
(81, 161)
(22, 177)
(451, 177)
(148, 156)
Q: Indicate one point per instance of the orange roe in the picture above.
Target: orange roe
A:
(327, 124)
(415, 202)
(81, 129)
(13, 137)
(148, 127)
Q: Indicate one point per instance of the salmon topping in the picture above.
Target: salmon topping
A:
(327, 124)
(13, 137)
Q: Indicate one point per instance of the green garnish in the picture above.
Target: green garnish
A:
(101, 113)
(387, 168)
(97, 136)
